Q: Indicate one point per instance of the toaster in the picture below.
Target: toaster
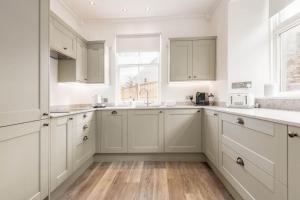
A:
(241, 100)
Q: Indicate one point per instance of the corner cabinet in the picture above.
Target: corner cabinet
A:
(192, 59)
(293, 163)
(24, 161)
(24, 61)
(145, 131)
(113, 131)
(183, 130)
(211, 136)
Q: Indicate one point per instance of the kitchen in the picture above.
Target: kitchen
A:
(139, 99)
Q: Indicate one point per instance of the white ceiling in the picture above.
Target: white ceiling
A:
(112, 9)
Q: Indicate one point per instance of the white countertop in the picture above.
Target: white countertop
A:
(278, 116)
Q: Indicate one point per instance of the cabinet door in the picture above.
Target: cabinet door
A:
(81, 62)
(181, 60)
(24, 61)
(24, 161)
(95, 63)
(204, 59)
(293, 164)
(145, 131)
(183, 130)
(211, 136)
(62, 39)
(113, 131)
(61, 150)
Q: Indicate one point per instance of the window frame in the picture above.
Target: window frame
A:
(118, 100)
(277, 28)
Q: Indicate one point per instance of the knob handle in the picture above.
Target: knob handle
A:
(84, 116)
(195, 76)
(215, 114)
(65, 48)
(240, 121)
(85, 127)
(71, 118)
(190, 76)
(198, 111)
(240, 161)
(160, 111)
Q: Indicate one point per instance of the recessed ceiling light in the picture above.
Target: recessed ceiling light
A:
(124, 9)
(92, 3)
(148, 9)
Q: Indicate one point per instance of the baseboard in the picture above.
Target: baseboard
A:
(227, 185)
(199, 157)
(59, 192)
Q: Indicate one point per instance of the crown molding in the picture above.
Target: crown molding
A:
(70, 11)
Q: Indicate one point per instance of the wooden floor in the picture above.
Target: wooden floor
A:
(148, 180)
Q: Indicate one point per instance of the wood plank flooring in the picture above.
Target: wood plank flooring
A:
(148, 181)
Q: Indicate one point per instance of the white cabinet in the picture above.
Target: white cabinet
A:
(83, 139)
(24, 161)
(61, 149)
(204, 59)
(97, 62)
(183, 130)
(253, 157)
(211, 136)
(62, 39)
(70, 70)
(293, 163)
(181, 60)
(145, 131)
(192, 59)
(113, 125)
(24, 58)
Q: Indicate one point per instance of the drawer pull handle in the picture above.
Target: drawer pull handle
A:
(71, 118)
(85, 127)
(65, 48)
(45, 114)
(216, 114)
(198, 111)
(292, 134)
(160, 111)
(240, 161)
(85, 138)
(240, 121)
(114, 112)
(46, 124)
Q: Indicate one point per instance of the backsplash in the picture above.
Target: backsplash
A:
(281, 104)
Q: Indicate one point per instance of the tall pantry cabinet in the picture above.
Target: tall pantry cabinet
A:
(24, 127)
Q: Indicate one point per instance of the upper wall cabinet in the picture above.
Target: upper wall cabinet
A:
(24, 60)
(97, 62)
(193, 59)
(62, 40)
(70, 70)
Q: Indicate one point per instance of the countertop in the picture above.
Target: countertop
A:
(291, 118)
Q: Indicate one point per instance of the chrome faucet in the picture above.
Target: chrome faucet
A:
(147, 95)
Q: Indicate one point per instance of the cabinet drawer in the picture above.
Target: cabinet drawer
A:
(264, 145)
(84, 118)
(251, 181)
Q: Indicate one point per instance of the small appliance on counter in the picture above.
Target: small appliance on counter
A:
(241, 100)
(202, 99)
(100, 102)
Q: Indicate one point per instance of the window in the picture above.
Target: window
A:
(286, 51)
(138, 61)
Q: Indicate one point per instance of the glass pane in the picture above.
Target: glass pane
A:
(128, 58)
(290, 59)
(129, 83)
(148, 83)
(149, 57)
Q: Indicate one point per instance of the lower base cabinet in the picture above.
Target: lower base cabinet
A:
(183, 130)
(24, 161)
(145, 131)
(61, 150)
(253, 157)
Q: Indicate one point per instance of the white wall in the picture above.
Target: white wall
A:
(219, 23)
(248, 43)
(62, 94)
